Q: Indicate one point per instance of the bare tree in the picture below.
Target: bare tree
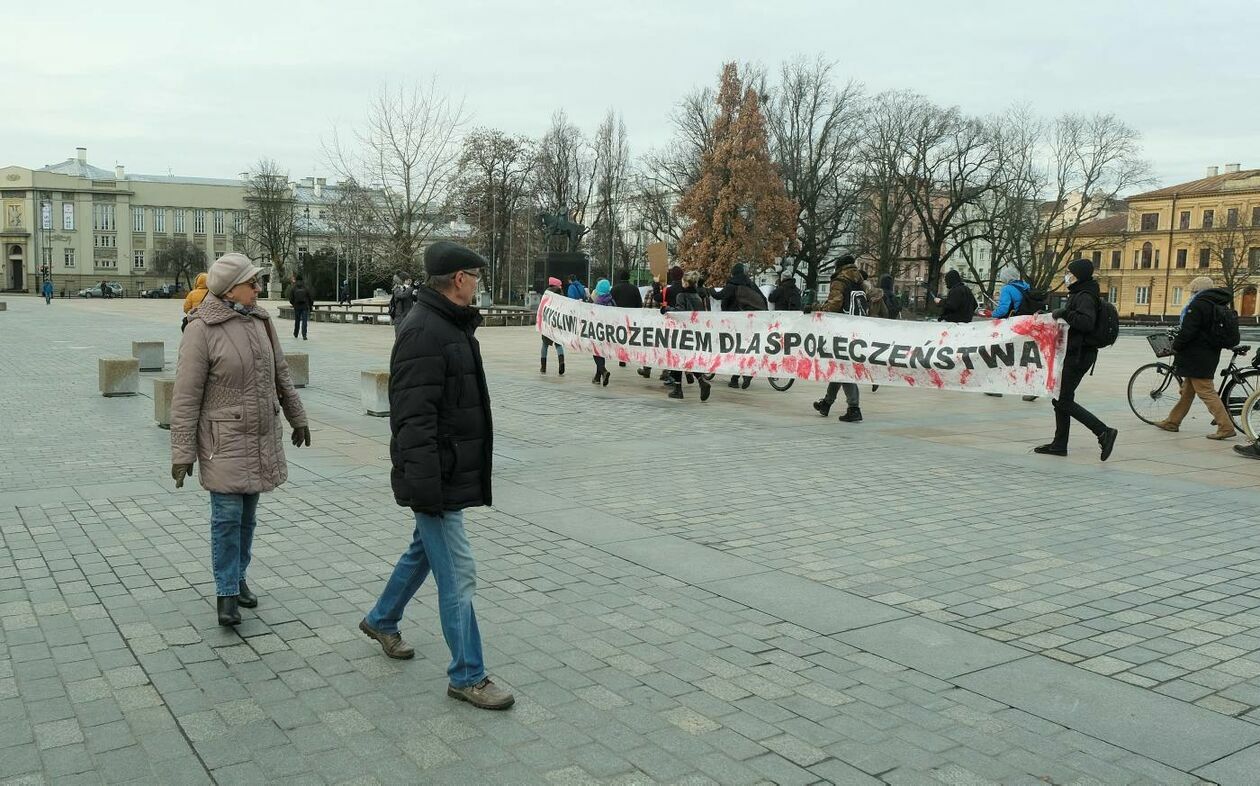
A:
(271, 217)
(815, 128)
(612, 152)
(407, 152)
(664, 175)
(352, 220)
(564, 170)
(884, 229)
(494, 169)
(181, 257)
(1235, 249)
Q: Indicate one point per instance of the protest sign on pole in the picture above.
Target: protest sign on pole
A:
(1020, 355)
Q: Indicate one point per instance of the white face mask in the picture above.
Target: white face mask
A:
(1068, 279)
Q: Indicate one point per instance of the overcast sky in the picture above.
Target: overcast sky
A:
(207, 89)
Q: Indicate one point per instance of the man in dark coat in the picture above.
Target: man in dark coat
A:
(958, 305)
(1197, 358)
(625, 294)
(739, 294)
(1081, 315)
(845, 295)
(400, 302)
(786, 296)
(442, 441)
(303, 301)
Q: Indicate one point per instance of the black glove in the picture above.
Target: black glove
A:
(664, 309)
(1059, 313)
(179, 472)
(301, 436)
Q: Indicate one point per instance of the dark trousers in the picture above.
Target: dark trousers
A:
(301, 317)
(851, 397)
(1075, 368)
(600, 364)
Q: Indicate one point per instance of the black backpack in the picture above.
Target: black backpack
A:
(1031, 301)
(1222, 332)
(1106, 325)
(859, 306)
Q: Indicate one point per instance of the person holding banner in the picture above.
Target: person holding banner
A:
(688, 299)
(603, 297)
(846, 296)
(1081, 315)
(740, 294)
(958, 305)
(553, 285)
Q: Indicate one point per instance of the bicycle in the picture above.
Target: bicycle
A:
(1250, 416)
(778, 383)
(1152, 389)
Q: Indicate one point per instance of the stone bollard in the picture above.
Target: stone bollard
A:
(4, 306)
(374, 388)
(119, 376)
(151, 354)
(163, 390)
(299, 368)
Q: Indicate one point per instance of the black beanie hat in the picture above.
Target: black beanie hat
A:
(952, 278)
(1082, 269)
(847, 259)
(444, 257)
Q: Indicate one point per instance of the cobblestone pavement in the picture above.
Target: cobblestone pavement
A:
(733, 592)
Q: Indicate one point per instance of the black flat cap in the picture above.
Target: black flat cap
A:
(444, 257)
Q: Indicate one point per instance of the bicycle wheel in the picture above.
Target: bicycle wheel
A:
(780, 383)
(1250, 416)
(1236, 392)
(1152, 390)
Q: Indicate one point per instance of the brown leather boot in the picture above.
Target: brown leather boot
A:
(391, 643)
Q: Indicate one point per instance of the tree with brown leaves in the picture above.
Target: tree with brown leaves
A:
(738, 210)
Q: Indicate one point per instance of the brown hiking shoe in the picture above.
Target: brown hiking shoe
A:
(484, 694)
(1223, 434)
(1167, 426)
(391, 643)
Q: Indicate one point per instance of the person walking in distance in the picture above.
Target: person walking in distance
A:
(891, 302)
(1197, 356)
(442, 441)
(553, 286)
(846, 295)
(603, 297)
(626, 295)
(303, 301)
(688, 299)
(343, 294)
(1081, 314)
(786, 296)
(666, 300)
(400, 301)
(231, 384)
(576, 290)
(47, 290)
(958, 305)
(739, 294)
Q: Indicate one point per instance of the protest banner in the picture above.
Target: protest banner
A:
(1020, 355)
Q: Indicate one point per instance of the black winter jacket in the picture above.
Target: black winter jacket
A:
(301, 298)
(786, 297)
(1081, 314)
(959, 305)
(626, 295)
(1197, 357)
(401, 301)
(439, 409)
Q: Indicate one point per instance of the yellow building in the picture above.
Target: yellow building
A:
(1146, 258)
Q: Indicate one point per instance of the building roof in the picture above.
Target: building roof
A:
(1111, 225)
(190, 181)
(1246, 180)
(76, 168)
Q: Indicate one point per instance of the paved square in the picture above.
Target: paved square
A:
(733, 592)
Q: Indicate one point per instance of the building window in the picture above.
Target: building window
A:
(109, 263)
(1096, 258)
(219, 223)
(1147, 257)
(1150, 222)
(69, 257)
(137, 219)
(1115, 260)
(1157, 259)
(1205, 257)
(1231, 217)
(199, 222)
(105, 241)
(1255, 216)
(1209, 216)
(103, 218)
(1182, 253)
(1176, 296)
(45, 215)
(1227, 258)
(238, 222)
(179, 222)
(1253, 258)
(1112, 294)
(137, 260)
(67, 216)
(1143, 296)
(47, 257)
(159, 219)
(1184, 221)
(1137, 258)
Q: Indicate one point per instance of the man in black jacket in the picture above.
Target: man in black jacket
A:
(1197, 357)
(303, 301)
(439, 416)
(1081, 315)
(786, 296)
(401, 301)
(626, 295)
(958, 305)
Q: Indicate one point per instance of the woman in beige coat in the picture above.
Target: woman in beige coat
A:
(230, 385)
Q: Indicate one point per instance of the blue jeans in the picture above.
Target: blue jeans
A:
(439, 544)
(301, 318)
(232, 522)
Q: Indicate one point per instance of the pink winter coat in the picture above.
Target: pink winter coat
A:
(230, 384)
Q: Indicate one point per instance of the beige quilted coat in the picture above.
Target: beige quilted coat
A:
(230, 384)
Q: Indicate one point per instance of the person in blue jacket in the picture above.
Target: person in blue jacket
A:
(48, 291)
(1011, 297)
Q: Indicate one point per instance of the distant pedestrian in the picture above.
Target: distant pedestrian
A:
(602, 297)
(959, 304)
(48, 291)
(846, 295)
(231, 381)
(400, 302)
(786, 296)
(666, 299)
(441, 446)
(303, 301)
(553, 286)
(577, 290)
(740, 294)
(626, 295)
(343, 294)
(194, 298)
(1081, 314)
(891, 301)
(1198, 353)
